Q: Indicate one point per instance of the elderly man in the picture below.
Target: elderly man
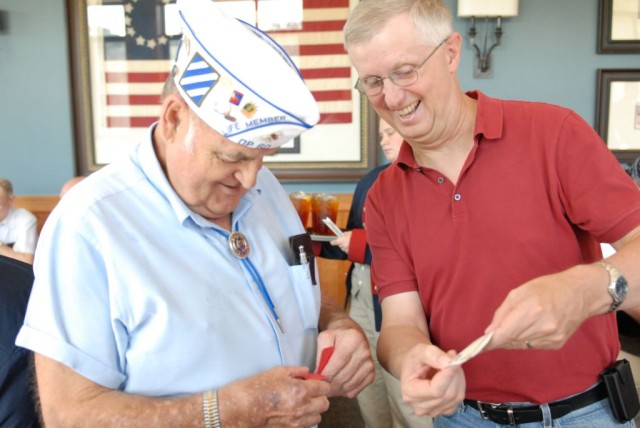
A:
(18, 227)
(167, 292)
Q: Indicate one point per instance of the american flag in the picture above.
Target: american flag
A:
(137, 65)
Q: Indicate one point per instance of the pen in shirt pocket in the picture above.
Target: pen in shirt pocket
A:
(302, 252)
(303, 255)
(303, 260)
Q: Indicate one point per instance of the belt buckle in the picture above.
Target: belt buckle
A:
(481, 409)
(497, 406)
(509, 409)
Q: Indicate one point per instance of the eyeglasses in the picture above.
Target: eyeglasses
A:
(401, 77)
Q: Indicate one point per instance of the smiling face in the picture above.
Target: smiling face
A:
(209, 172)
(424, 111)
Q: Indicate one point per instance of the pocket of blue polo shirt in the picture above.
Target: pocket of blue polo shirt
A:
(307, 295)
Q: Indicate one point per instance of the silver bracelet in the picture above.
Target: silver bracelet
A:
(206, 408)
(215, 419)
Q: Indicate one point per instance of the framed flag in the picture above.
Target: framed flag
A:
(122, 50)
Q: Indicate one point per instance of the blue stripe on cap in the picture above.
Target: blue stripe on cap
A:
(198, 79)
(196, 72)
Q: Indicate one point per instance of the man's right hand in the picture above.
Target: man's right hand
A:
(279, 397)
(428, 384)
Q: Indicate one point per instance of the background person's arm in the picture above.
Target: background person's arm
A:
(7, 251)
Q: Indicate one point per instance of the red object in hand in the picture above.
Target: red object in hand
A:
(324, 359)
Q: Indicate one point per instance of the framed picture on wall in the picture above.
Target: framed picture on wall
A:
(122, 51)
(618, 112)
(619, 26)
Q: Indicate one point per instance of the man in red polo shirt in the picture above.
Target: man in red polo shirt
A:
(490, 222)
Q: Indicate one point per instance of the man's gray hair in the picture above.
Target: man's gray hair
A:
(169, 87)
(431, 17)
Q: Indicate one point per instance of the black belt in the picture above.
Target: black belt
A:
(505, 414)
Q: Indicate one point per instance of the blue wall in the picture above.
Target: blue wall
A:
(548, 53)
(36, 141)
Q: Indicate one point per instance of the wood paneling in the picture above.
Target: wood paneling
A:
(333, 273)
(40, 206)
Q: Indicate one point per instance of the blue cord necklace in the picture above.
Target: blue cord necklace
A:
(240, 248)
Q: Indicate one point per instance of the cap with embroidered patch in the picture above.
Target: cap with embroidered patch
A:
(238, 80)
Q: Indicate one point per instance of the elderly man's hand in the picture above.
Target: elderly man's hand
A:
(350, 369)
(280, 397)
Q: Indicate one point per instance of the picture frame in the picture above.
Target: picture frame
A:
(618, 26)
(618, 112)
(342, 147)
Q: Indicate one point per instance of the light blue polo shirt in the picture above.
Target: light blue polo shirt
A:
(136, 292)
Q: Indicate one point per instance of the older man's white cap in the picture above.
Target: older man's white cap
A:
(238, 80)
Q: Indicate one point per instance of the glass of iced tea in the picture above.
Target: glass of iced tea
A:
(302, 202)
(323, 205)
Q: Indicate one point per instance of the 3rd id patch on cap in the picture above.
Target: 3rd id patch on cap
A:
(238, 80)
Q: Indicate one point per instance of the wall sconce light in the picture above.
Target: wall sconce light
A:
(486, 9)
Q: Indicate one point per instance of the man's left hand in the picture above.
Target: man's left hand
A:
(542, 313)
(350, 369)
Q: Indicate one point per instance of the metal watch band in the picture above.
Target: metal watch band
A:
(615, 279)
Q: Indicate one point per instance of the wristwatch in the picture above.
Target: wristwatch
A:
(618, 286)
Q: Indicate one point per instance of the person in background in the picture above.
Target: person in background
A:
(17, 407)
(70, 183)
(18, 227)
(485, 226)
(380, 403)
(167, 293)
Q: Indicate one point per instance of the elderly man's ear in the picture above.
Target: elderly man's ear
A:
(175, 112)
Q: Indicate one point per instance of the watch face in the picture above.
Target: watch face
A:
(621, 288)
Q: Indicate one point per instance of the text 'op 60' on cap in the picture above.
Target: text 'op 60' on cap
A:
(238, 80)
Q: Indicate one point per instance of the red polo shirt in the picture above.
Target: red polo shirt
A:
(536, 193)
